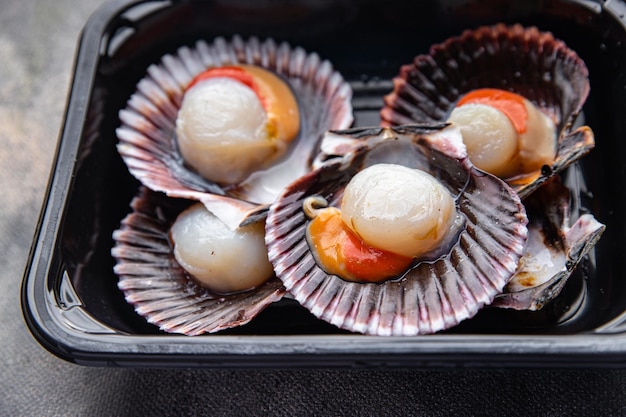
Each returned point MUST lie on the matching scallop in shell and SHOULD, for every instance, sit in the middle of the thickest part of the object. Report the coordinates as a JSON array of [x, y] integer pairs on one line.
[[516, 59], [432, 295], [554, 249], [158, 287], [147, 135]]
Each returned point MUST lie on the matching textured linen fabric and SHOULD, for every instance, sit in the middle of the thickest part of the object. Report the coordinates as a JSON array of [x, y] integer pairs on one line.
[[37, 45]]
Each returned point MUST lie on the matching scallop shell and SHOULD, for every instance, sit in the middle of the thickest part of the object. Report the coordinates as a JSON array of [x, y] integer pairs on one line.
[[432, 296], [157, 286], [523, 60], [147, 132], [554, 249]]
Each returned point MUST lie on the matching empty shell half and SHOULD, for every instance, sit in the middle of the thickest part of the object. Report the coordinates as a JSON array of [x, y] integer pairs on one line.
[[431, 294], [543, 71]]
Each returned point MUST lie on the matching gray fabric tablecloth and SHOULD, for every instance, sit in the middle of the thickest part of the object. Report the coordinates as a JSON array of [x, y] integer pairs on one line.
[[37, 45]]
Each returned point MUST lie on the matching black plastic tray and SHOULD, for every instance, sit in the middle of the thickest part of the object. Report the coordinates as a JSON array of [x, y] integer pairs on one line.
[[70, 299]]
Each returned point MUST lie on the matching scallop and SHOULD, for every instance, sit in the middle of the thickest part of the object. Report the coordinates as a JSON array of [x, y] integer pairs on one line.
[[431, 294], [398, 209], [555, 248], [166, 295], [211, 252], [234, 121], [514, 59], [505, 134], [389, 215], [149, 145]]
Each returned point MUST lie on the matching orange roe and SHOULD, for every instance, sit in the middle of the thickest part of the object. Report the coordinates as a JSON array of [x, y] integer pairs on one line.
[[234, 72], [343, 253], [511, 104]]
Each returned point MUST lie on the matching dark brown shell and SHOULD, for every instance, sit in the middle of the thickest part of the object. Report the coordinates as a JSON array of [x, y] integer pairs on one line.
[[523, 60], [554, 249], [431, 296], [157, 286]]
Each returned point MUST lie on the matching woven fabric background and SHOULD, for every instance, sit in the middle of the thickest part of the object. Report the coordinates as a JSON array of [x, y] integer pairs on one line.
[[37, 45]]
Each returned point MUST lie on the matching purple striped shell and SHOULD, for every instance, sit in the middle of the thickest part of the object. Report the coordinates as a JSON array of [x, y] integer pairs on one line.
[[147, 140], [160, 290], [431, 296]]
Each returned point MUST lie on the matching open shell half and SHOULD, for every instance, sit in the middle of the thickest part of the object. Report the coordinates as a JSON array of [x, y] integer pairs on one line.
[[158, 287], [147, 141], [430, 296], [522, 60]]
